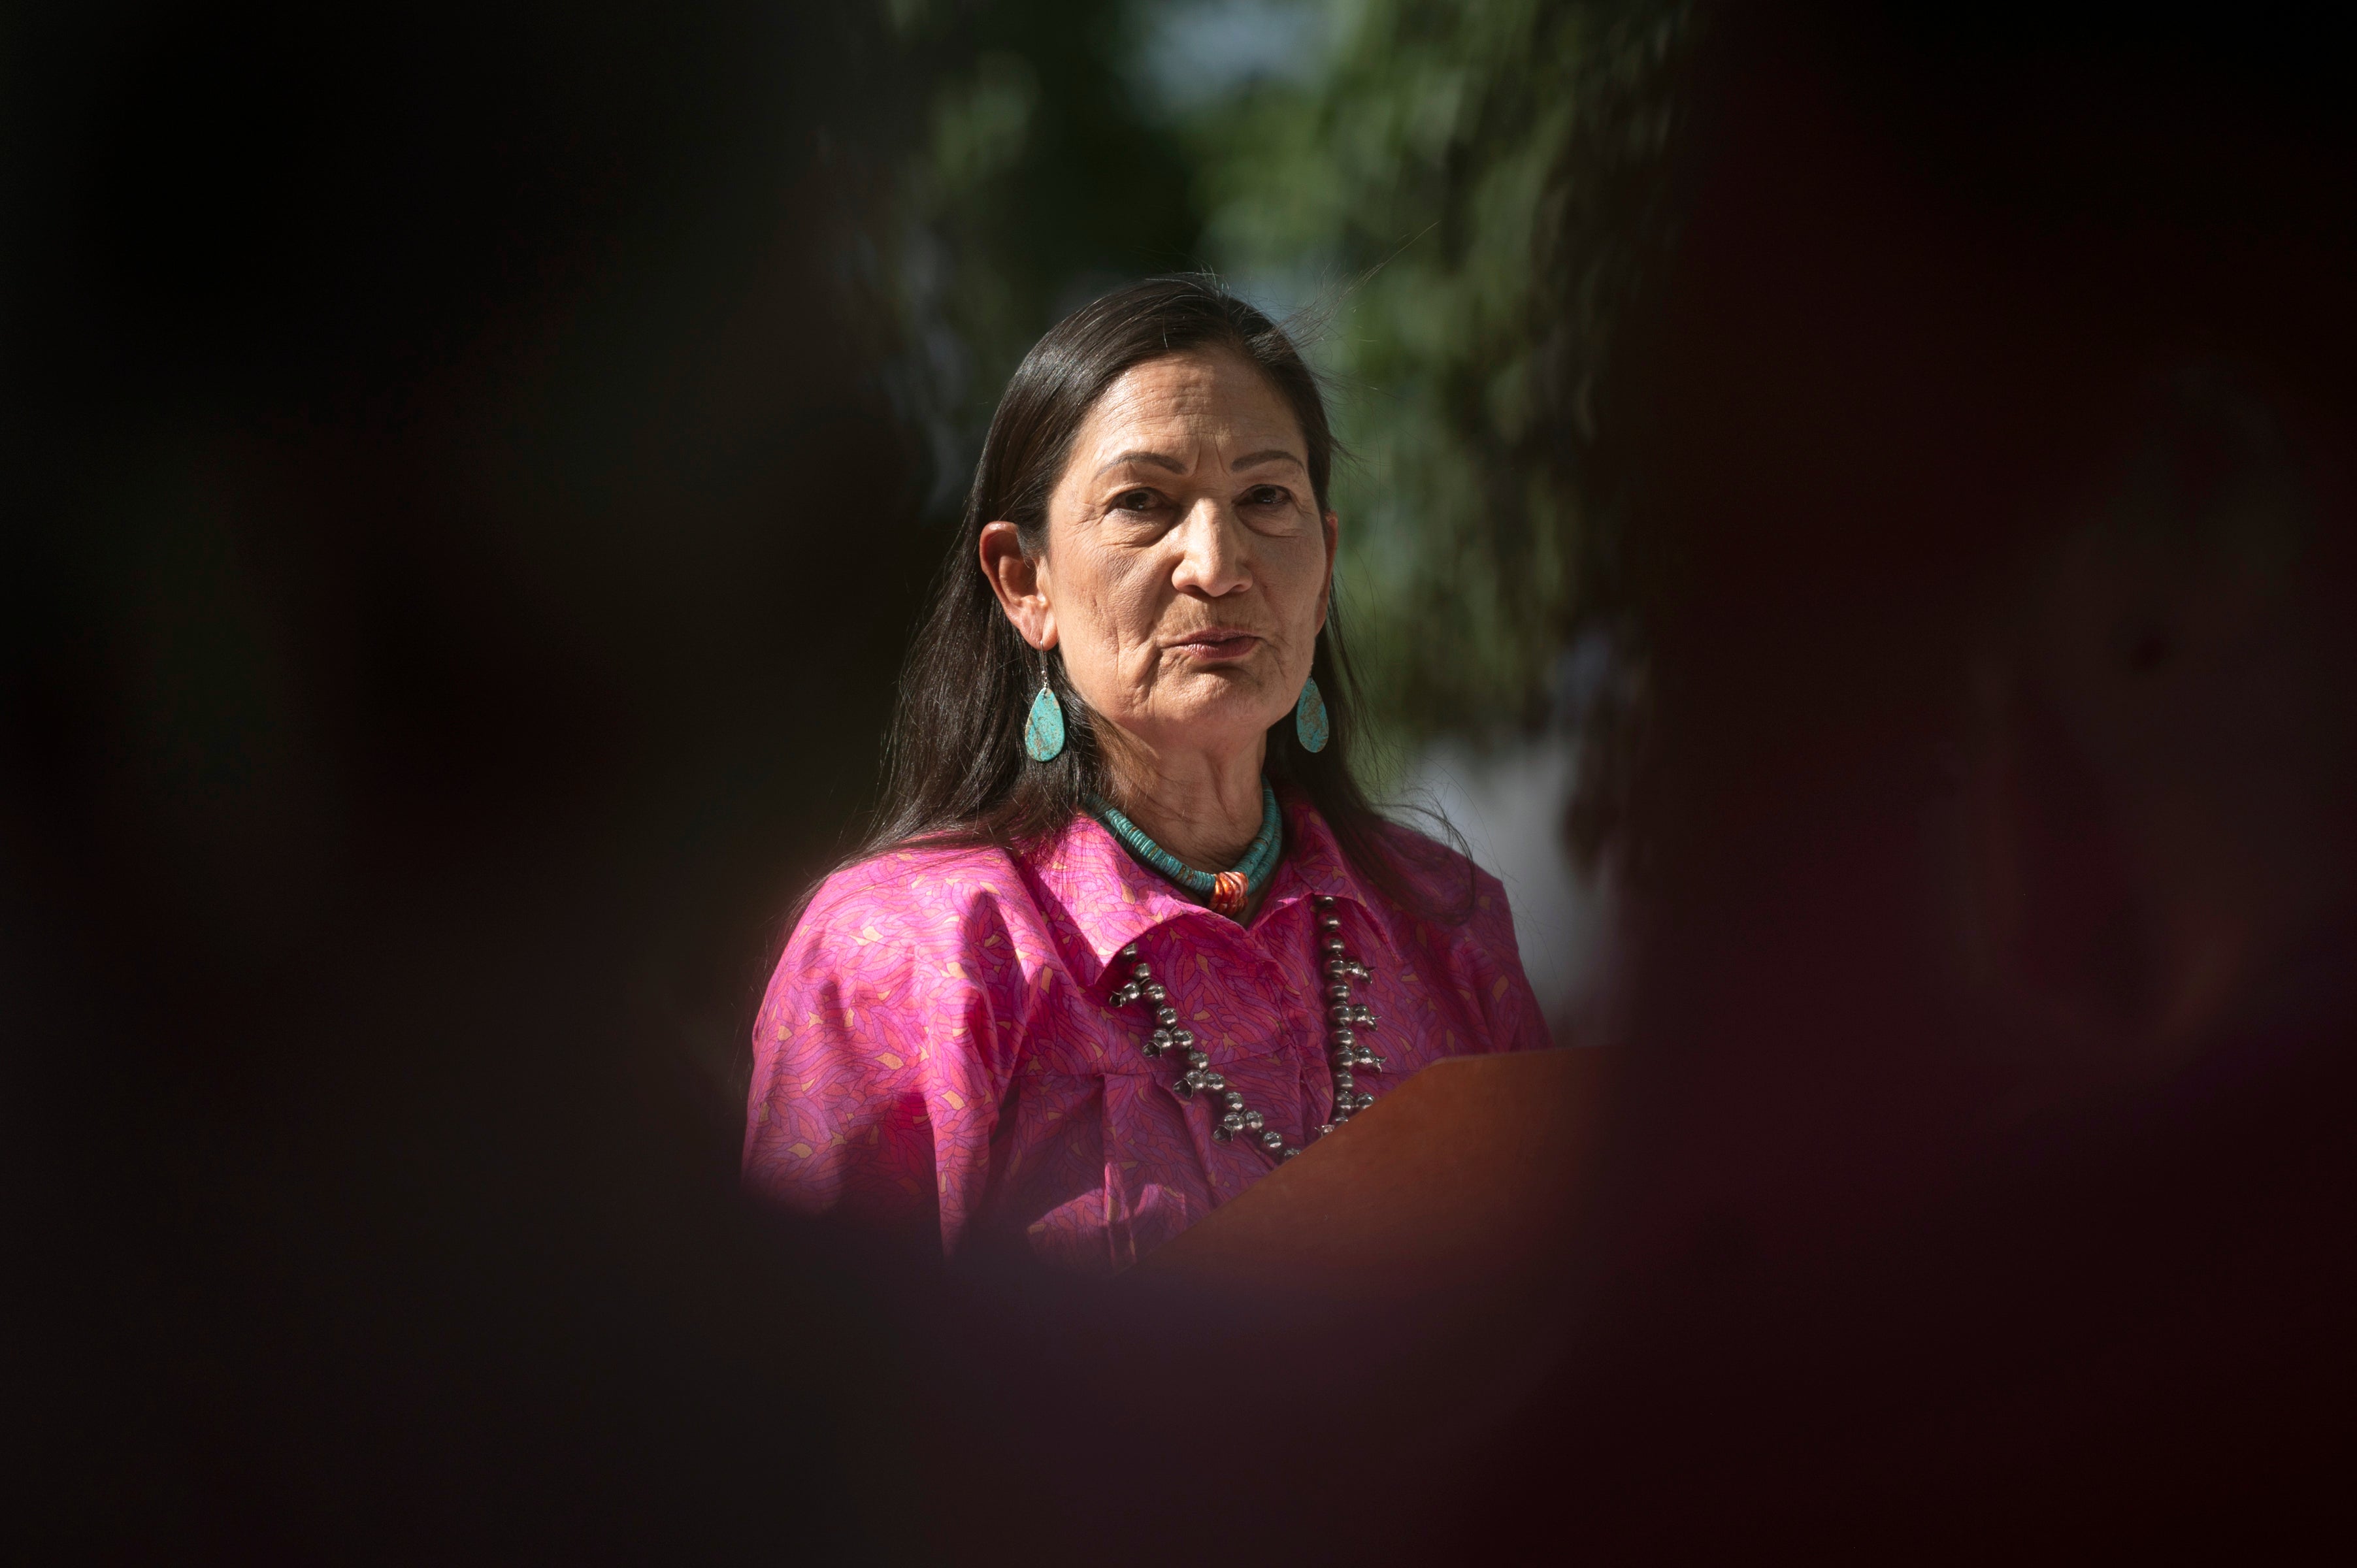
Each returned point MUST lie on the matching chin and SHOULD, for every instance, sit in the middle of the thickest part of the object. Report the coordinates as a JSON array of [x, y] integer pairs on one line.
[[1235, 716]]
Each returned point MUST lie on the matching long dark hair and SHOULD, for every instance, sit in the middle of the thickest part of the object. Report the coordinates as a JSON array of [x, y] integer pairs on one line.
[[955, 772]]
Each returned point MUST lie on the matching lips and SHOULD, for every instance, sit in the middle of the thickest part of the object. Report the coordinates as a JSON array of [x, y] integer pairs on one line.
[[1218, 643]]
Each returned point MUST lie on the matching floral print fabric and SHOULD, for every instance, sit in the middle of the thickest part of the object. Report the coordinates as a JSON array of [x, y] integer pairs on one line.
[[936, 1040]]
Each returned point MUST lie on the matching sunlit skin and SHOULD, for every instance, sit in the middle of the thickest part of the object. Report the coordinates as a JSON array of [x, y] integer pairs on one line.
[[1184, 576]]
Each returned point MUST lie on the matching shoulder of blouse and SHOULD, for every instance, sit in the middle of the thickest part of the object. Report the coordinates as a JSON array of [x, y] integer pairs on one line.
[[1467, 905], [915, 901], [1432, 866], [1472, 941]]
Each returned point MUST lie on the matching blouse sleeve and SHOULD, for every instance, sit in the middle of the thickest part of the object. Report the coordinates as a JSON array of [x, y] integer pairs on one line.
[[1500, 988], [873, 1090]]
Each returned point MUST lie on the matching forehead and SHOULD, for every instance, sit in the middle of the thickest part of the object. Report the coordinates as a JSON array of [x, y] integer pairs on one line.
[[1174, 402]]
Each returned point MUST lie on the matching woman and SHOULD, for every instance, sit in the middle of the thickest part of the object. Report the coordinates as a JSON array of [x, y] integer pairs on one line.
[[1128, 935]]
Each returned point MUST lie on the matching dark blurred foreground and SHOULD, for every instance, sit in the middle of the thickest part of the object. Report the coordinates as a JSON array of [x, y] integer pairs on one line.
[[459, 549]]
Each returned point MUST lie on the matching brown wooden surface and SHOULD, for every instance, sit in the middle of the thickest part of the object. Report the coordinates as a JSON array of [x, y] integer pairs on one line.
[[1462, 1174]]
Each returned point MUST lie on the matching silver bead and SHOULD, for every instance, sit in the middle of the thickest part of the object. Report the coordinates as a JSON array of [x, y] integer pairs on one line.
[[1288, 1153], [1197, 1059], [1323, 900], [1333, 945], [1329, 923], [1129, 951], [1213, 1080], [1235, 1101], [1222, 1133], [1166, 1016], [1343, 1113], [1156, 992], [1158, 1041], [1255, 1119], [1364, 1017], [1339, 992], [1328, 1129], [1272, 1140], [1340, 1015], [1368, 1061], [1338, 966], [1343, 1084], [1142, 969], [1362, 1100], [1183, 1037], [1345, 1041], [1234, 1122]]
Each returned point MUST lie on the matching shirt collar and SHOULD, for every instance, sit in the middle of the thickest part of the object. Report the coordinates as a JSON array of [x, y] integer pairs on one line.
[[1112, 900]]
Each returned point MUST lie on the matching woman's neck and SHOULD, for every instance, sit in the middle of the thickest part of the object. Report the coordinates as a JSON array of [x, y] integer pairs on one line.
[[1203, 810]]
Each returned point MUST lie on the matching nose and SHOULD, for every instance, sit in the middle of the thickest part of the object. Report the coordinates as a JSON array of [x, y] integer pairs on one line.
[[1214, 557]]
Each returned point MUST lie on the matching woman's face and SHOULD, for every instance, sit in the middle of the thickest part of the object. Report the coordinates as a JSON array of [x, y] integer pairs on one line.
[[1186, 565]]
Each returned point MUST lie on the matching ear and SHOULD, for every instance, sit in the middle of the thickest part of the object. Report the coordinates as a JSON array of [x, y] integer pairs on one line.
[[1020, 584]]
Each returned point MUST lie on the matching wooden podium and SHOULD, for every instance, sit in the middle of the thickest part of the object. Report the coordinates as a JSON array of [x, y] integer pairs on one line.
[[1457, 1185]]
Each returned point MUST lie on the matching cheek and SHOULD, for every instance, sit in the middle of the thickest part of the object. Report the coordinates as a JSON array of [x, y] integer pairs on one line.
[[1107, 603], [1125, 602], [1296, 581]]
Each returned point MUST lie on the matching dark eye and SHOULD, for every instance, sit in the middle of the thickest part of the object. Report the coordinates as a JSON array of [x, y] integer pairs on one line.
[[1268, 495], [1133, 500]]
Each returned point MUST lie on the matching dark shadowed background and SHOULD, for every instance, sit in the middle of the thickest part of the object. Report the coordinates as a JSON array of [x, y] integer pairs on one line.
[[1855, 513]]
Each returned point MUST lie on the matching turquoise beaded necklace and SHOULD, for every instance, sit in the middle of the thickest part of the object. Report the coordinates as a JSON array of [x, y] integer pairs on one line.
[[1228, 891]]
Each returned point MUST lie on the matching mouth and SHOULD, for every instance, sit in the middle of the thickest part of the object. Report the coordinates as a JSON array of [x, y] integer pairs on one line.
[[1215, 645]]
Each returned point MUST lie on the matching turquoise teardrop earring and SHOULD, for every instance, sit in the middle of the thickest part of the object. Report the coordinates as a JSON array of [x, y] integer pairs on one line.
[[1043, 732], [1309, 724]]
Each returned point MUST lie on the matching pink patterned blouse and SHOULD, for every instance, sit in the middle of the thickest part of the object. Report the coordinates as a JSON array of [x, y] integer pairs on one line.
[[937, 1041]]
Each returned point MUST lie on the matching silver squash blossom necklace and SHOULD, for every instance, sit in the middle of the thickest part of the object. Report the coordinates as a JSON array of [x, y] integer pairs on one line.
[[1346, 1019]]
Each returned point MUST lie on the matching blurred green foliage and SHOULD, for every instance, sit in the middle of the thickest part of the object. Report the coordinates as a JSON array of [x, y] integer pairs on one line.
[[1037, 178], [1459, 202]]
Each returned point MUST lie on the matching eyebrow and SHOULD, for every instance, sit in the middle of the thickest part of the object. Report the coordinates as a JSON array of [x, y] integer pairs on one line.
[[1172, 464], [1274, 455], [1158, 459]]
